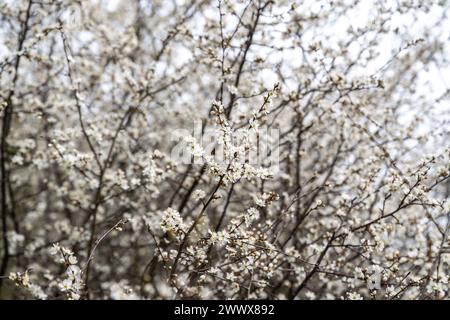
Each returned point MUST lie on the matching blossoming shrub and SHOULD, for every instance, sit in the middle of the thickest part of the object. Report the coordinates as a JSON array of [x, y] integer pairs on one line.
[[224, 149]]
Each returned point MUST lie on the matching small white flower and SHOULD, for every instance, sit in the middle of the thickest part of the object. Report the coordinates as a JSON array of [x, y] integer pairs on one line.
[[74, 296], [199, 194], [65, 285], [13, 276], [55, 249], [17, 159], [233, 90], [354, 296], [72, 259]]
